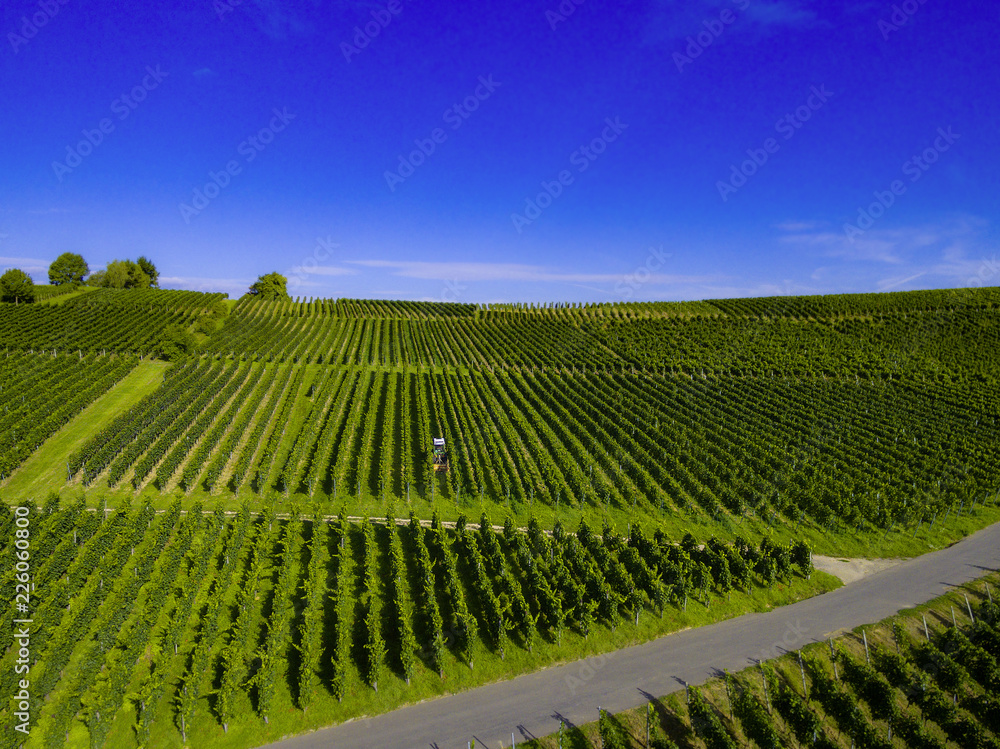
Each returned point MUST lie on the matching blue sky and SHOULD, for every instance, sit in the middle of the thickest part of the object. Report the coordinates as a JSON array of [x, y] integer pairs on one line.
[[539, 151]]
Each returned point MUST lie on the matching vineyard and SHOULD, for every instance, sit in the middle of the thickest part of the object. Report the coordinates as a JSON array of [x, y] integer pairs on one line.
[[829, 454], [102, 320], [928, 681], [41, 393], [149, 628], [881, 416], [655, 465]]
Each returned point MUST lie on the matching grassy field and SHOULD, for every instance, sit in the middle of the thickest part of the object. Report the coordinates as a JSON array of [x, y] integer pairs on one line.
[[45, 470]]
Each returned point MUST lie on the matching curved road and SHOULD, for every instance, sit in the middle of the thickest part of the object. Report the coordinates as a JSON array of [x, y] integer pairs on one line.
[[531, 705]]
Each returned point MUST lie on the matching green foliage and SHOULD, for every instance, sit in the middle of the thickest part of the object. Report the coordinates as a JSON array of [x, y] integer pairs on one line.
[[68, 269], [175, 342], [270, 286], [707, 725], [613, 736], [17, 287], [311, 628], [754, 719], [147, 267], [123, 274]]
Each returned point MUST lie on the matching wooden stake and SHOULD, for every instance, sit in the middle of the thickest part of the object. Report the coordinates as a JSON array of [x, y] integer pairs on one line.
[[649, 709], [926, 633], [969, 607], [729, 697], [767, 697], [868, 658]]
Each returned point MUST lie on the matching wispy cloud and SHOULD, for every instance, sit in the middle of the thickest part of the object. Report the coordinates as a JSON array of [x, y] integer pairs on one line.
[[30, 265], [322, 270], [233, 286], [280, 19], [951, 252], [671, 20], [781, 13], [880, 247], [467, 271], [799, 226]]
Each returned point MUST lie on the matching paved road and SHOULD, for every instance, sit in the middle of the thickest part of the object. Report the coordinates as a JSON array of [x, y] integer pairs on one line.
[[531, 705]]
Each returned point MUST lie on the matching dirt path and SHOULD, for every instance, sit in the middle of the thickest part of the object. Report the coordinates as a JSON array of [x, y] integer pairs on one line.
[[852, 570]]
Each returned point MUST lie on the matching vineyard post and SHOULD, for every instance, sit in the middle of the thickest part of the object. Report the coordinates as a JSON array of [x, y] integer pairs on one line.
[[868, 658], [989, 593], [649, 709], [803, 672], [954, 622], [969, 607], [729, 698], [560, 734], [833, 659], [927, 634], [763, 678]]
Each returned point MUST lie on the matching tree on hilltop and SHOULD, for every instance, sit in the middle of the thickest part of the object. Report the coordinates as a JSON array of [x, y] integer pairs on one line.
[[125, 274], [270, 286], [16, 286], [150, 270], [68, 269]]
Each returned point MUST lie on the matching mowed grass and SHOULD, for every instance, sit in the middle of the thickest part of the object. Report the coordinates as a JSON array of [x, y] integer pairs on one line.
[[45, 470]]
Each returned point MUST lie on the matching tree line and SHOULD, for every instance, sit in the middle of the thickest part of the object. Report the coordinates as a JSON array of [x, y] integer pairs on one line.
[[71, 270]]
